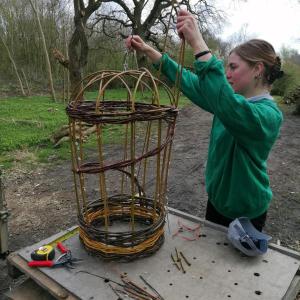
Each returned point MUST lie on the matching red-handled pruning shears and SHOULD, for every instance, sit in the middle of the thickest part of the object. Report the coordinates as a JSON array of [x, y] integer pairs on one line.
[[65, 259]]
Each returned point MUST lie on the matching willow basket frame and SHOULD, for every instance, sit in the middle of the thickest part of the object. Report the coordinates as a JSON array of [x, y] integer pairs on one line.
[[96, 217]]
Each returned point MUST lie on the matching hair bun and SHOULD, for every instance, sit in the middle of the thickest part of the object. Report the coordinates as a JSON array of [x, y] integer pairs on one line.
[[280, 74], [275, 72], [278, 61]]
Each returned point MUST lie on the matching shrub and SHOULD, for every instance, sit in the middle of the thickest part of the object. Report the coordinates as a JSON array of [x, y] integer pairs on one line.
[[289, 81]]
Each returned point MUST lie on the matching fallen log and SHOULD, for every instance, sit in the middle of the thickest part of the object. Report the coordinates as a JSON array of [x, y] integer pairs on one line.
[[62, 134]]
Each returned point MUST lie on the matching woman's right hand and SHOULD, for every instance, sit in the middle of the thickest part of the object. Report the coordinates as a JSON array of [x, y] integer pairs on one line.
[[135, 42]]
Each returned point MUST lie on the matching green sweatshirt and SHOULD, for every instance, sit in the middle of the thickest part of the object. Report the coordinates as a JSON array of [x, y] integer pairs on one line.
[[242, 135]]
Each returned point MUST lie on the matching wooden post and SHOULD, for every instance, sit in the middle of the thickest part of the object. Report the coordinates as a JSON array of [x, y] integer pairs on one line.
[[3, 220]]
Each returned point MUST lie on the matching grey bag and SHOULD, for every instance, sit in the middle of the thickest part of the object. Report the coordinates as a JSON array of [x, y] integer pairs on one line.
[[245, 237]]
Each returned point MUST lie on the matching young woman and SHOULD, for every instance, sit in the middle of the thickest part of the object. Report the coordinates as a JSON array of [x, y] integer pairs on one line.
[[246, 119]]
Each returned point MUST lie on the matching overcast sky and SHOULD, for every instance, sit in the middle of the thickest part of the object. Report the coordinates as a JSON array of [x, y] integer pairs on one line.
[[277, 21]]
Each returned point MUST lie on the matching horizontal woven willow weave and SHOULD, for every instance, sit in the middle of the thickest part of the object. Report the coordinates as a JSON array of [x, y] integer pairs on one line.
[[121, 166]]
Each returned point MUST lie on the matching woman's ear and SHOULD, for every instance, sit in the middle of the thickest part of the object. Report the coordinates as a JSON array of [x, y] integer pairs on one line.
[[259, 69]]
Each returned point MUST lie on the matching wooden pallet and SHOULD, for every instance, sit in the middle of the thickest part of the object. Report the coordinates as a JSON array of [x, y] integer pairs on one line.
[[39, 285]]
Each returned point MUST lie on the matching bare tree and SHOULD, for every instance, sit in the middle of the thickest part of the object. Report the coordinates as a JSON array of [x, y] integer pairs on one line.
[[97, 25], [240, 36], [14, 65], [78, 45], [45, 51], [19, 27], [150, 19], [118, 18]]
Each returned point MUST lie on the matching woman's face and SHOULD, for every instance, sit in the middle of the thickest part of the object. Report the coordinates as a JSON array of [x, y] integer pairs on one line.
[[240, 75]]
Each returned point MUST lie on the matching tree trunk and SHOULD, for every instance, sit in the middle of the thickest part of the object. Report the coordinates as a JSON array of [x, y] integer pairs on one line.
[[48, 65], [14, 66], [78, 52], [141, 61], [141, 58], [67, 73], [75, 63], [78, 45], [26, 82]]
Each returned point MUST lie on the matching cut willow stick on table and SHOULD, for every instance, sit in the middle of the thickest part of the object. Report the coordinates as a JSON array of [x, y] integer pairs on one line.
[[184, 258], [151, 287]]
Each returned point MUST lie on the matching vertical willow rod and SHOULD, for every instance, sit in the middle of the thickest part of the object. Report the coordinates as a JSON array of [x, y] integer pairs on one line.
[[179, 72], [157, 187], [132, 145], [148, 136], [81, 180], [102, 176], [73, 165], [124, 158]]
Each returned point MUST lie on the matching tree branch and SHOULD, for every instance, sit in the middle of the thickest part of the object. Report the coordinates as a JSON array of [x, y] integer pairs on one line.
[[93, 5], [105, 18], [155, 13], [125, 7], [60, 57]]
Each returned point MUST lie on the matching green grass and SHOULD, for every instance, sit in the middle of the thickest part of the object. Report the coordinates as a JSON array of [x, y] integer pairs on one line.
[[26, 122], [26, 125], [146, 96]]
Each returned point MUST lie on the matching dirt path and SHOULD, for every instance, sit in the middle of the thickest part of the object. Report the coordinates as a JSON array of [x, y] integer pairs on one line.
[[42, 201]]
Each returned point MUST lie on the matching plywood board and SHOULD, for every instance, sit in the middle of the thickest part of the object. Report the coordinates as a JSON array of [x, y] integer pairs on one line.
[[217, 270]]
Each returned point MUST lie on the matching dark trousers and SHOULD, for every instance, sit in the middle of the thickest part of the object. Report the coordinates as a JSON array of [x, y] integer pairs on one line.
[[213, 216]]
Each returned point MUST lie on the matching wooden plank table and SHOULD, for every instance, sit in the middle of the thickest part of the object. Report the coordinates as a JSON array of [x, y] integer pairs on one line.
[[217, 271]]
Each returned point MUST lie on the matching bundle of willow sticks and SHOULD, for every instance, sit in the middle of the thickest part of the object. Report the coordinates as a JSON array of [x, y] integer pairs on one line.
[[134, 291]]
